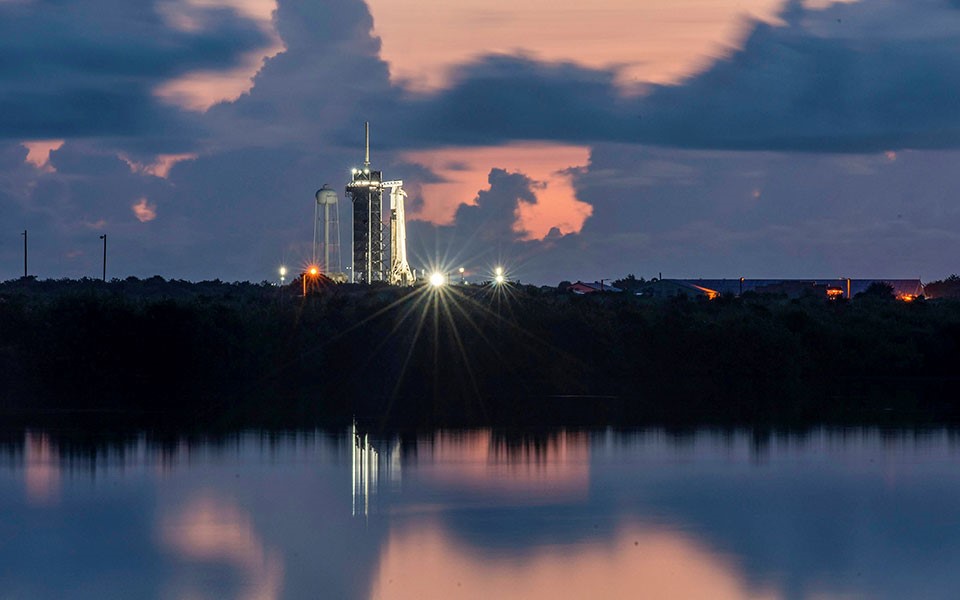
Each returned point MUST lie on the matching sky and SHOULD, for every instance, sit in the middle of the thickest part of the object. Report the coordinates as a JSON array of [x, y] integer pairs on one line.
[[688, 138]]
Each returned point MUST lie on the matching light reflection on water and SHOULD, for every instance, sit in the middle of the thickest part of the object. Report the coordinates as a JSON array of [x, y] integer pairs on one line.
[[481, 514]]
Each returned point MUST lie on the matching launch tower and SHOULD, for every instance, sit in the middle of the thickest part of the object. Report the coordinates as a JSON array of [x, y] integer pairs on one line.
[[366, 193]]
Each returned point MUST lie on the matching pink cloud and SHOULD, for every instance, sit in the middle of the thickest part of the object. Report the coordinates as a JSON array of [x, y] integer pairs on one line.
[[199, 90], [159, 167], [98, 224], [425, 562], [655, 41], [144, 210], [209, 529], [38, 153]]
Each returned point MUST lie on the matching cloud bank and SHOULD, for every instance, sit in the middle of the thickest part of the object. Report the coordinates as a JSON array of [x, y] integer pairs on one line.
[[859, 77], [770, 161]]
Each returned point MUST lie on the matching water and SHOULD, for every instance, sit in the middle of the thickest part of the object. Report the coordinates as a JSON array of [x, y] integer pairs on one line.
[[474, 514]]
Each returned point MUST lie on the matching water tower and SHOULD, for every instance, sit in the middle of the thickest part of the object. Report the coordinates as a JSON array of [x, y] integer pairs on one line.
[[327, 210]]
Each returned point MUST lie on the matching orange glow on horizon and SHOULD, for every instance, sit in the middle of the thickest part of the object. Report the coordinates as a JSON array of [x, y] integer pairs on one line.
[[465, 172], [711, 294], [424, 562]]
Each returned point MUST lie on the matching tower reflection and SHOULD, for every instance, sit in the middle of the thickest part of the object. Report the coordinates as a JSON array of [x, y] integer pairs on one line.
[[365, 461]]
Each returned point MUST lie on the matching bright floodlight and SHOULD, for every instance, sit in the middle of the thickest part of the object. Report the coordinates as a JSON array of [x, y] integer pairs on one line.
[[314, 270], [500, 278], [283, 271], [498, 271], [437, 279]]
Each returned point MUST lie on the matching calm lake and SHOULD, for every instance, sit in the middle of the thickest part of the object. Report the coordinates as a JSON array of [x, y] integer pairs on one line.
[[479, 514]]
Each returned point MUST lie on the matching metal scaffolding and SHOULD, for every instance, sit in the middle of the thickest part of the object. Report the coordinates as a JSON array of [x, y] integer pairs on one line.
[[366, 193]]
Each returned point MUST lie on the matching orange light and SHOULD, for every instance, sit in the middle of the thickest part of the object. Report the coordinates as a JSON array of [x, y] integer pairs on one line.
[[906, 297], [834, 293], [711, 294], [314, 271]]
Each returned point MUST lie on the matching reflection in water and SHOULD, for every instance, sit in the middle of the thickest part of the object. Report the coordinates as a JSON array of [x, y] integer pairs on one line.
[[365, 470], [41, 469], [706, 514], [552, 468], [214, 530], [423, 562]]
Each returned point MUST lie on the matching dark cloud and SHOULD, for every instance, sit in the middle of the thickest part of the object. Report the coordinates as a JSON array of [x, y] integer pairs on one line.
[[692, 213], [494, 214], [321, 89], [12, 157], [482, 233], [822, 82], [502, 98], [850, 78], [89, 69]]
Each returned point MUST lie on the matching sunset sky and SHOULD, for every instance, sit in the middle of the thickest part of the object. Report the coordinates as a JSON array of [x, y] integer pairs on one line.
[[697, 138]]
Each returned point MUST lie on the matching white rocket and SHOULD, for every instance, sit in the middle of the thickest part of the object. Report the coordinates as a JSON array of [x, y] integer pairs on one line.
[[400, 272]]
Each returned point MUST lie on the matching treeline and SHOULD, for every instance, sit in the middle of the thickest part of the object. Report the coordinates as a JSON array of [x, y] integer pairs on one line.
[[213, 351], [945, 288]]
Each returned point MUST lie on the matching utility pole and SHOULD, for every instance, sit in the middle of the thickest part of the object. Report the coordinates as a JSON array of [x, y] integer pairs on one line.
[[24, 253], [104, 238]]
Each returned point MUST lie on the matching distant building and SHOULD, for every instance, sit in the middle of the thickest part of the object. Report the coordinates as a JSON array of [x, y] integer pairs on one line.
[[903, 289], [668, 288], [588, 288]]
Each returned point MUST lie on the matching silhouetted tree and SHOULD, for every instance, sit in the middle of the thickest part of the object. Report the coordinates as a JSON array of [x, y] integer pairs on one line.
[[946, 288], [878, 290]]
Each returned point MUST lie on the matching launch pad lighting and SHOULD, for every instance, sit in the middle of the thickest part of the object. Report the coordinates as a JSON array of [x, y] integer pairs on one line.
[[313, 270], [283, 271], [437, 279], [499, 278]]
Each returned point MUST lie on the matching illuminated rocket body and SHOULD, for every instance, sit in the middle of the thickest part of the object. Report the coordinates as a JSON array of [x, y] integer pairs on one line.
[[400, 273]]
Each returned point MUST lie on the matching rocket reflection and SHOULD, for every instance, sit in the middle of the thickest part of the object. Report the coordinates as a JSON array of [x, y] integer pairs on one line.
[[365, 464], [553, 469]]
